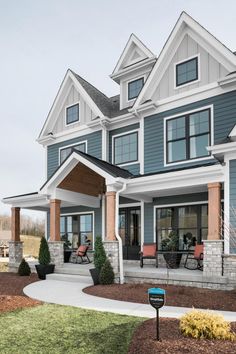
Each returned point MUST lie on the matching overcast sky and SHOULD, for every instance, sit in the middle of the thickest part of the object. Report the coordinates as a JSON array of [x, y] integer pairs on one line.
[[40, 39]]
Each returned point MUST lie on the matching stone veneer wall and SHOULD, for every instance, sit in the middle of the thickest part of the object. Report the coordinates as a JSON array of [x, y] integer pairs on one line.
[[112, 252], [56, 249], [15, 252], [229, 265], [213, 262]]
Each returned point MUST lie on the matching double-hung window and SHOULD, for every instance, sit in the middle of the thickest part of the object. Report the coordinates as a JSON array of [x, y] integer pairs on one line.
[[65, 152], [187, 71], [188, 136], [134, 87], [72, 114], [125, 148]]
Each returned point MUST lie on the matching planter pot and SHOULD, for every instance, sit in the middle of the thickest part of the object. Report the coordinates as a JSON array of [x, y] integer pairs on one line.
[[172, 259], [43, 270], [95, 275], [67, 254]]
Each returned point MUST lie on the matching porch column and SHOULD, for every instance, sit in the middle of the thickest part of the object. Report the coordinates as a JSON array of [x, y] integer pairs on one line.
[[213, 246], [15, 245], [214, 211], [55, 244], [111, 245], [110, 215], [55, 205]]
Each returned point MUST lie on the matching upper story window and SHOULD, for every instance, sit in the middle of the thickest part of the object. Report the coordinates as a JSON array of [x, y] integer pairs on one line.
[[72, 114], [187, 71], [125, 148], [188, 136], [65, 152], [134, 87]]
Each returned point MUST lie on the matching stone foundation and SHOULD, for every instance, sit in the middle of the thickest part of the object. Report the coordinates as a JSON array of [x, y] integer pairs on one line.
[[112, 252], [15, 252], [229, 265], [56, 249], [213, 263]]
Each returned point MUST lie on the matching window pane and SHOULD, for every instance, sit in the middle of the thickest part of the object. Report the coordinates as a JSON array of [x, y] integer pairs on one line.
[[198, 146], [72, 114], [66, 152], [86, 229], [177, 151], [187, 238], [164, 218], [176, 128], [204, 216], [134, 87], [186, 72], [187, 217], [126, 148], [199, 123], [80, 147]]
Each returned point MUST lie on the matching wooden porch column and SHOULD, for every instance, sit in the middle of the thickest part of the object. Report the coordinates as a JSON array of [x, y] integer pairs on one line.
[[55, 220], [15, 224], [110, 215], [214, 211]]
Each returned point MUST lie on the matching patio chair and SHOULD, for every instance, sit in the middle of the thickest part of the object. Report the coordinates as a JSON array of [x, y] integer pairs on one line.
[[197, 257], [82, 253], [149, 252]]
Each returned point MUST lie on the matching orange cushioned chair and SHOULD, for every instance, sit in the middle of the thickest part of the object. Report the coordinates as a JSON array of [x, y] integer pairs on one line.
[[149, 252], [197, 257], [82, 253]]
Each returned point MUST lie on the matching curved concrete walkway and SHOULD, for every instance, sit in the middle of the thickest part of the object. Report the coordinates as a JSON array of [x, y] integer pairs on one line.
[[71, 294]]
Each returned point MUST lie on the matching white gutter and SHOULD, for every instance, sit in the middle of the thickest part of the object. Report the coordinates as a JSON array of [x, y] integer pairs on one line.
[[117, 233]]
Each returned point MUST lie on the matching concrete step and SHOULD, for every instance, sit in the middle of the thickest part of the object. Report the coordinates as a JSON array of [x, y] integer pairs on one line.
[[71, 278], [75, 269]]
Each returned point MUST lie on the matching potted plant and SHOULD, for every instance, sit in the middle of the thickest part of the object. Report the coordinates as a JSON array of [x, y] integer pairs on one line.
[[170, 244], [44, 267], [99, 260]]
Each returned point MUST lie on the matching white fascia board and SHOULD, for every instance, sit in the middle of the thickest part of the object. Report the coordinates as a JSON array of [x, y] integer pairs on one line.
[[176, 179], [76, 198], [232, 134], [27, 201], [130, 69], [227, 80], [180, 27], [67, 167], [222, 149], [132, 39]]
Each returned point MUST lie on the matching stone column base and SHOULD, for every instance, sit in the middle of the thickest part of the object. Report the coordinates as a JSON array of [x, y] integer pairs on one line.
[[229, 265], [112, 252], [56, 249], [15, 252], [212, 261]]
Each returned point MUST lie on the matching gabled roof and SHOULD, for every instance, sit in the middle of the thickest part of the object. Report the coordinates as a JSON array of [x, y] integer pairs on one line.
[[135, 51], [215, 47]]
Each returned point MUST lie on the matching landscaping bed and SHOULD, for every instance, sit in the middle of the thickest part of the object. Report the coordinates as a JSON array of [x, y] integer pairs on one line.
[[175, 295], [11, 291], [173, 342]]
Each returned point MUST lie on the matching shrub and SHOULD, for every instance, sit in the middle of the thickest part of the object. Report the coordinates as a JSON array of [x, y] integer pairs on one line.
[[24, 268], [44, 253], [99, 253], [205, 325], [106, 275]]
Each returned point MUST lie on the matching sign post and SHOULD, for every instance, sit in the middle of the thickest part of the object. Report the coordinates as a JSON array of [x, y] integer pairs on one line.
[[157, 299]]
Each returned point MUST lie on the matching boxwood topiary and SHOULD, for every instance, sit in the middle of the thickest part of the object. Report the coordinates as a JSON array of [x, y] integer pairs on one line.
[[107, 274], [99, 253], [24, 268], [44, 253]]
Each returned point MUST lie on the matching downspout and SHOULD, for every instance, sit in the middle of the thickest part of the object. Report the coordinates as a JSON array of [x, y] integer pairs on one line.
[[117, 233]]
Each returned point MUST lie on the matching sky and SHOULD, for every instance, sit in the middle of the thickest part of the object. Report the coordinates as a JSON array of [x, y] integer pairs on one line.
[[40, 40]]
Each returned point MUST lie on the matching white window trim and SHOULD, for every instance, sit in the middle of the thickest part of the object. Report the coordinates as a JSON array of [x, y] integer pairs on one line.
[[155, 207], [112, 147], [71, 145], [68, 106], [127, 85], [198, 69], [211, 136], [83, 213]]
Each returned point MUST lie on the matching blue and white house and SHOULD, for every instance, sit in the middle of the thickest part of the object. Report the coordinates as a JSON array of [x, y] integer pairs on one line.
[[157, 157]]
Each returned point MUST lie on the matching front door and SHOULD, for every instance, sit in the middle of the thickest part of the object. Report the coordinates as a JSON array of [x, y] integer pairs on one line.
[[130, 231]]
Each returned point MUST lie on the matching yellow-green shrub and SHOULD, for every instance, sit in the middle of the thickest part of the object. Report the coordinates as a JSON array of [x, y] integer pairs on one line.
[[205, 325]]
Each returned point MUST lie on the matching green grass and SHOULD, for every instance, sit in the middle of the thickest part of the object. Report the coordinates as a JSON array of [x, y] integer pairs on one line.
[[54, 329]]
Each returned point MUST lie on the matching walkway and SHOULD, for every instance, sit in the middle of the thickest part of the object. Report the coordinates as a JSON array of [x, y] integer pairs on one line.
[[71, 294]]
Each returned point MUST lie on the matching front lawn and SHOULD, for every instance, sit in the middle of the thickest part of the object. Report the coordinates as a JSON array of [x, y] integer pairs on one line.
[[50, 329]]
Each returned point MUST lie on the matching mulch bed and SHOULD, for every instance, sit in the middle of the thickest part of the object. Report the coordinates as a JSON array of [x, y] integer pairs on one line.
[[175, 295], [11, 291], [172, 342]]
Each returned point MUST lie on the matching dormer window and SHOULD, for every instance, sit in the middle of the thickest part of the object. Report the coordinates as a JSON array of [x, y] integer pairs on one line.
[[72, 114], [134, 87], [186, 72]]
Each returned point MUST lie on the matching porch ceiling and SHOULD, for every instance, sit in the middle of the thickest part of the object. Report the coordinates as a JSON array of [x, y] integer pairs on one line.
[[83, 180]]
